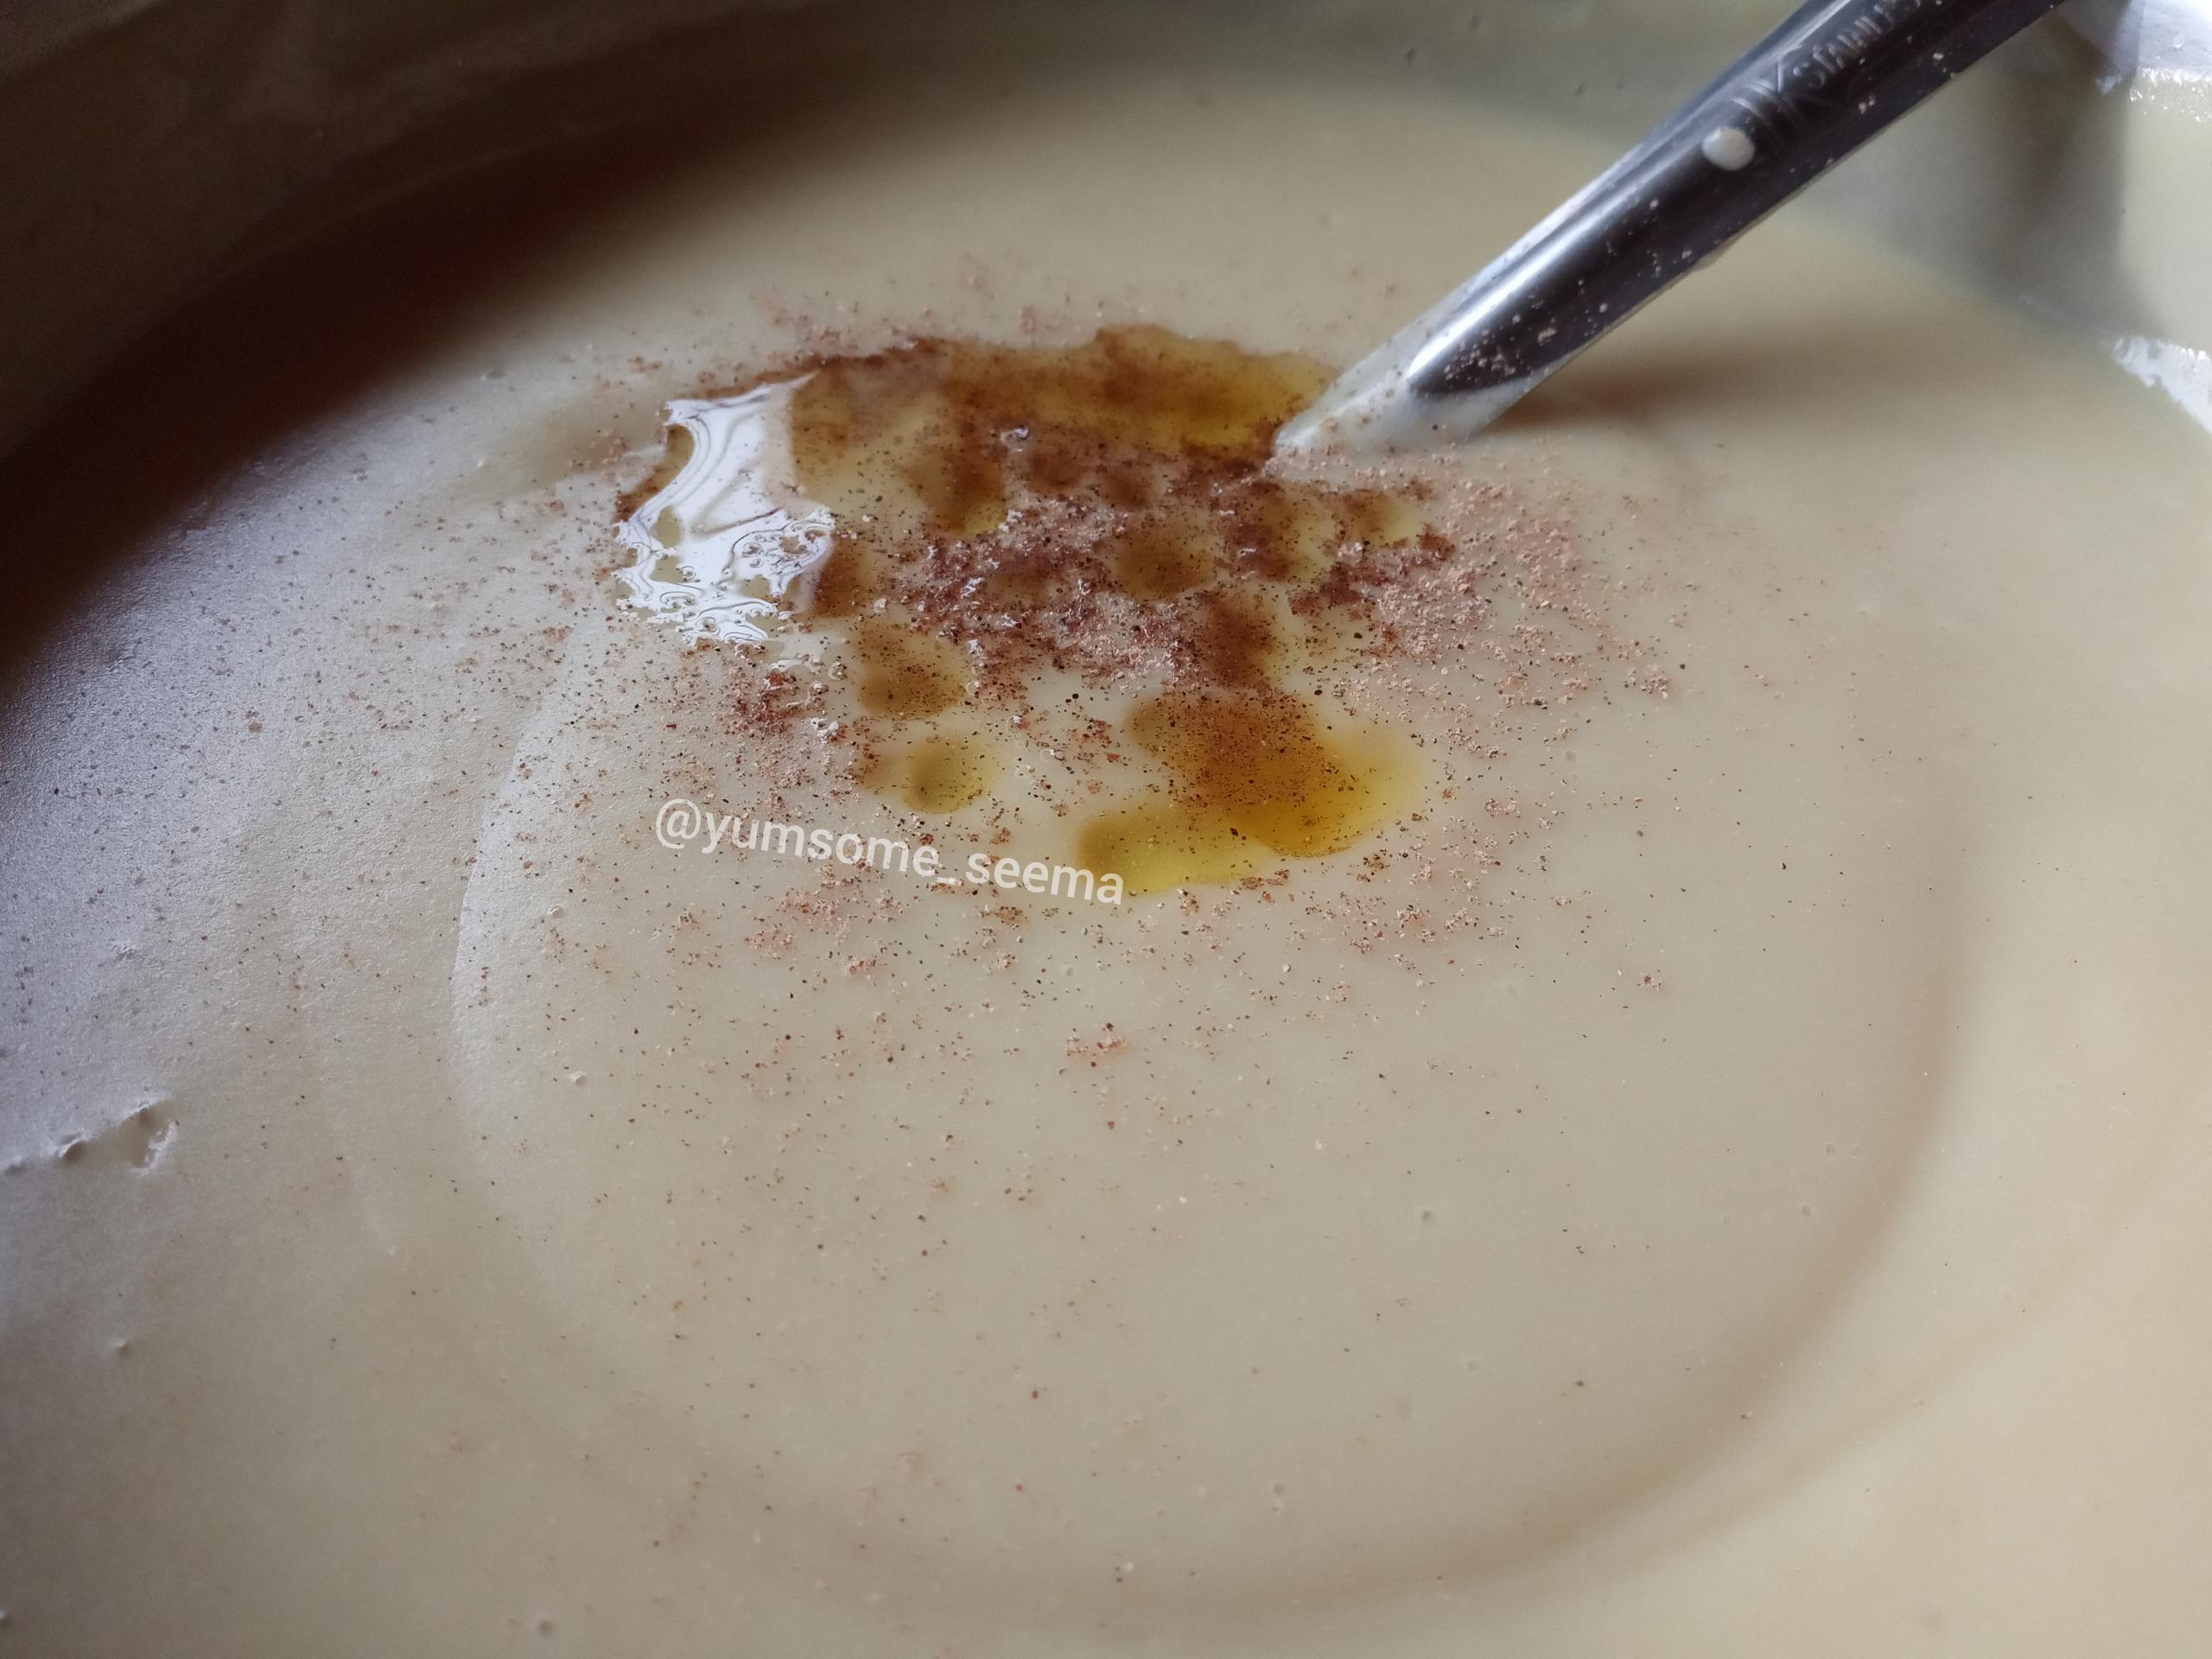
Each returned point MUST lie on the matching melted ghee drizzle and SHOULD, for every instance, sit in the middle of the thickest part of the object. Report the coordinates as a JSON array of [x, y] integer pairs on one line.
[[987, 502]]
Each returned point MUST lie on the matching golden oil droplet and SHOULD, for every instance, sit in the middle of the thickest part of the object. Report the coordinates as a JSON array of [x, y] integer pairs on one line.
[[1231, 636], [905, 674], [852, 577], [1167, 551], [938, 774], [1257, 776], [1281, 532]]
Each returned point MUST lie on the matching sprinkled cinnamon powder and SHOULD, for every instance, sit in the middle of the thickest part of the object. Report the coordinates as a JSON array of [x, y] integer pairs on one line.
[[1076, 572]]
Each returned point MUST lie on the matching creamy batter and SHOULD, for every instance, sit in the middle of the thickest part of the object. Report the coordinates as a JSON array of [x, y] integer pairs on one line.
[[1716, 1167]]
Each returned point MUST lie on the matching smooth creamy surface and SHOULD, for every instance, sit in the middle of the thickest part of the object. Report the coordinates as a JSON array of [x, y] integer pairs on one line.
[[1723, 1171]]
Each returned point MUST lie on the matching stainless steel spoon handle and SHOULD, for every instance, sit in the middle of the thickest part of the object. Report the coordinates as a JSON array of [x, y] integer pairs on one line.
[[1830, 77]]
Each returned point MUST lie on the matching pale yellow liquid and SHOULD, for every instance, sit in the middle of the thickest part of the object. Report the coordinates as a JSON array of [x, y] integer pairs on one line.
[[1727, 1178]]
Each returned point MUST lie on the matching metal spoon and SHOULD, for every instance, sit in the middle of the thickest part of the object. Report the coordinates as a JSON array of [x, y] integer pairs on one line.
[[1830, 77]]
